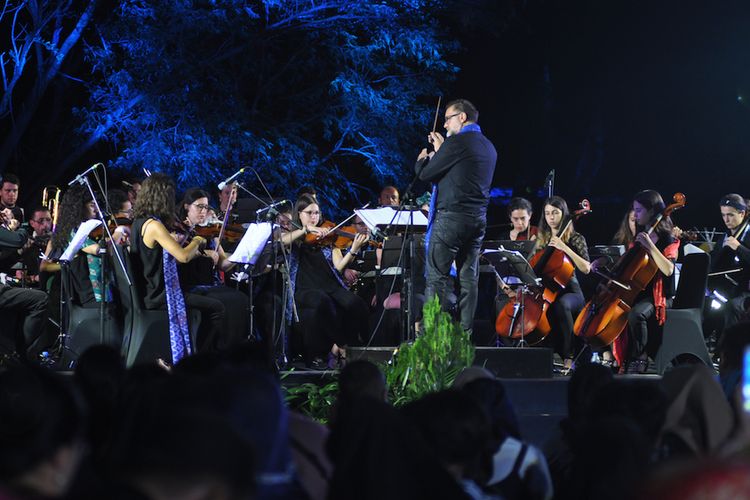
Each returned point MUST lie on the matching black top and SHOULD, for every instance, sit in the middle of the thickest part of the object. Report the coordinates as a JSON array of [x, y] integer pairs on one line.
[[314, 271], [463, 169], [148, 268], [577, 243], [724, 258], [199, 271]]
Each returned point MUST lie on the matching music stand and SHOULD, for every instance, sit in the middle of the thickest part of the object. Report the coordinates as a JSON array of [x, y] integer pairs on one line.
[[409, 221], [247, 254], [522, 270]]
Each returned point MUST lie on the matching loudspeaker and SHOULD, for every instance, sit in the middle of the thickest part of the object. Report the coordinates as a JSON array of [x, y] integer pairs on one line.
[[515, 362], [377, 355]]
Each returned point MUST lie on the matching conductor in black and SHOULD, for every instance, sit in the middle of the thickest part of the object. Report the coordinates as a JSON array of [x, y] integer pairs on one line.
[[461, 169]]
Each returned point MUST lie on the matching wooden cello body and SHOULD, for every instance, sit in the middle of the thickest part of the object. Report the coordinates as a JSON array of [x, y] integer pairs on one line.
[[605, 316], [525, 316]]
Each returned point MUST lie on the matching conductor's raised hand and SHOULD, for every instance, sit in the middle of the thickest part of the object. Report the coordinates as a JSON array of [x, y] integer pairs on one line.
[[436, 140]]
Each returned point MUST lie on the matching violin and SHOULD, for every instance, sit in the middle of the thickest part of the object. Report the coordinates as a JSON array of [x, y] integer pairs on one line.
[[232, 233], [605, 316], [339, 237], [113, 223], [556, 270]]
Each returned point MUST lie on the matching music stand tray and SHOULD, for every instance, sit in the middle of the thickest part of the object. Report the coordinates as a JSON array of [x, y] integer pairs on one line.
[[515, 263]]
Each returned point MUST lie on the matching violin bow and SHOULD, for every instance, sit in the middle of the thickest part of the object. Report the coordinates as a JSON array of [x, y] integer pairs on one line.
[[437, 113]]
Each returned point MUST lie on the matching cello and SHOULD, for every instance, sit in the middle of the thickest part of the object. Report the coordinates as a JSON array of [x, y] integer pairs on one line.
[[605, 316], [556, 271]]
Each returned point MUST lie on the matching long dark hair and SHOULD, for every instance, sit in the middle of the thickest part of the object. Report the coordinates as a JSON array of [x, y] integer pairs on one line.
[[654, 204], [189, 198], [72, 212], [545, 232], [156, 199], [624, 236]]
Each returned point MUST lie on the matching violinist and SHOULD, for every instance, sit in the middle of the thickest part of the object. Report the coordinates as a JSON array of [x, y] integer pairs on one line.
[[734, 253], [570, 301], [331, 315], [86, 269], [519, 213], [154, 252], [649, 308], [227, 197], [122, 214], [200, 276]]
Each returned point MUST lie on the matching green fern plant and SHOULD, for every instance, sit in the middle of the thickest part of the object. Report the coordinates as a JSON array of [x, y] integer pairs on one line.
[[312, 400], [433, 360], [429, 364]]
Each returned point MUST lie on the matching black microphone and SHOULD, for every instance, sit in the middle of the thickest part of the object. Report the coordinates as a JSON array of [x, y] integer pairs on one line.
[[229, 179], [79, 177]]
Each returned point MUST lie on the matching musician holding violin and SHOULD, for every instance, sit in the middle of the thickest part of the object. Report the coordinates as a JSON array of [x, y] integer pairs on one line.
[[733, 253], [331, 316], [155, 251], [556, 231], [200, 276], [86, 271]]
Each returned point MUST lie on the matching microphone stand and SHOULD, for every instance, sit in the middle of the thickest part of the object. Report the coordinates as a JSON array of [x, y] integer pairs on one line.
[[282, 337], [102, 251]]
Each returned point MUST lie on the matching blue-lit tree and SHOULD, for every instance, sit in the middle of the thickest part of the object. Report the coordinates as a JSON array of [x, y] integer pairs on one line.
[[36, 38], [316, 92]]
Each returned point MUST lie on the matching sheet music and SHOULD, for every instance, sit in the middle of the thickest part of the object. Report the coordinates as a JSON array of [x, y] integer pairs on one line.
[[383, 216], [77, 242], [252, 243]]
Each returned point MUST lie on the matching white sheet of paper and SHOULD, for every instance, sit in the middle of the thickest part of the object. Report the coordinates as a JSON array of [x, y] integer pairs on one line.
[[252, 243], [77, 242], [383, 216]]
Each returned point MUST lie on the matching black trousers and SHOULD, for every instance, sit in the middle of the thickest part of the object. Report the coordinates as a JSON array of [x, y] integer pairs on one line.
[[212, 318], [228, 318], [30, 308], [561, 315], [455, 237], [644, 332], [326, 318]]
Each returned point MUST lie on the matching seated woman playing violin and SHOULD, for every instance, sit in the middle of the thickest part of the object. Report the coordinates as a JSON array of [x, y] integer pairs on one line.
[[154, 251], [200, 276], [88, 280], [649, 308], [331, 315]]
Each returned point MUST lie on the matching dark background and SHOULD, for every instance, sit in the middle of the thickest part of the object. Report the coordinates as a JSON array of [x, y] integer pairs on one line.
[[616, 96]]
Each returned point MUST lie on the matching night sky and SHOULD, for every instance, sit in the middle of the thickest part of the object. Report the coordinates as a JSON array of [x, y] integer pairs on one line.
[[615, 95], [618, 96]]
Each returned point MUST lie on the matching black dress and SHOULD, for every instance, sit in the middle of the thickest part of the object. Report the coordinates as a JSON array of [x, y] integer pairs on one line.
[[149, 275], [329, 313]]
